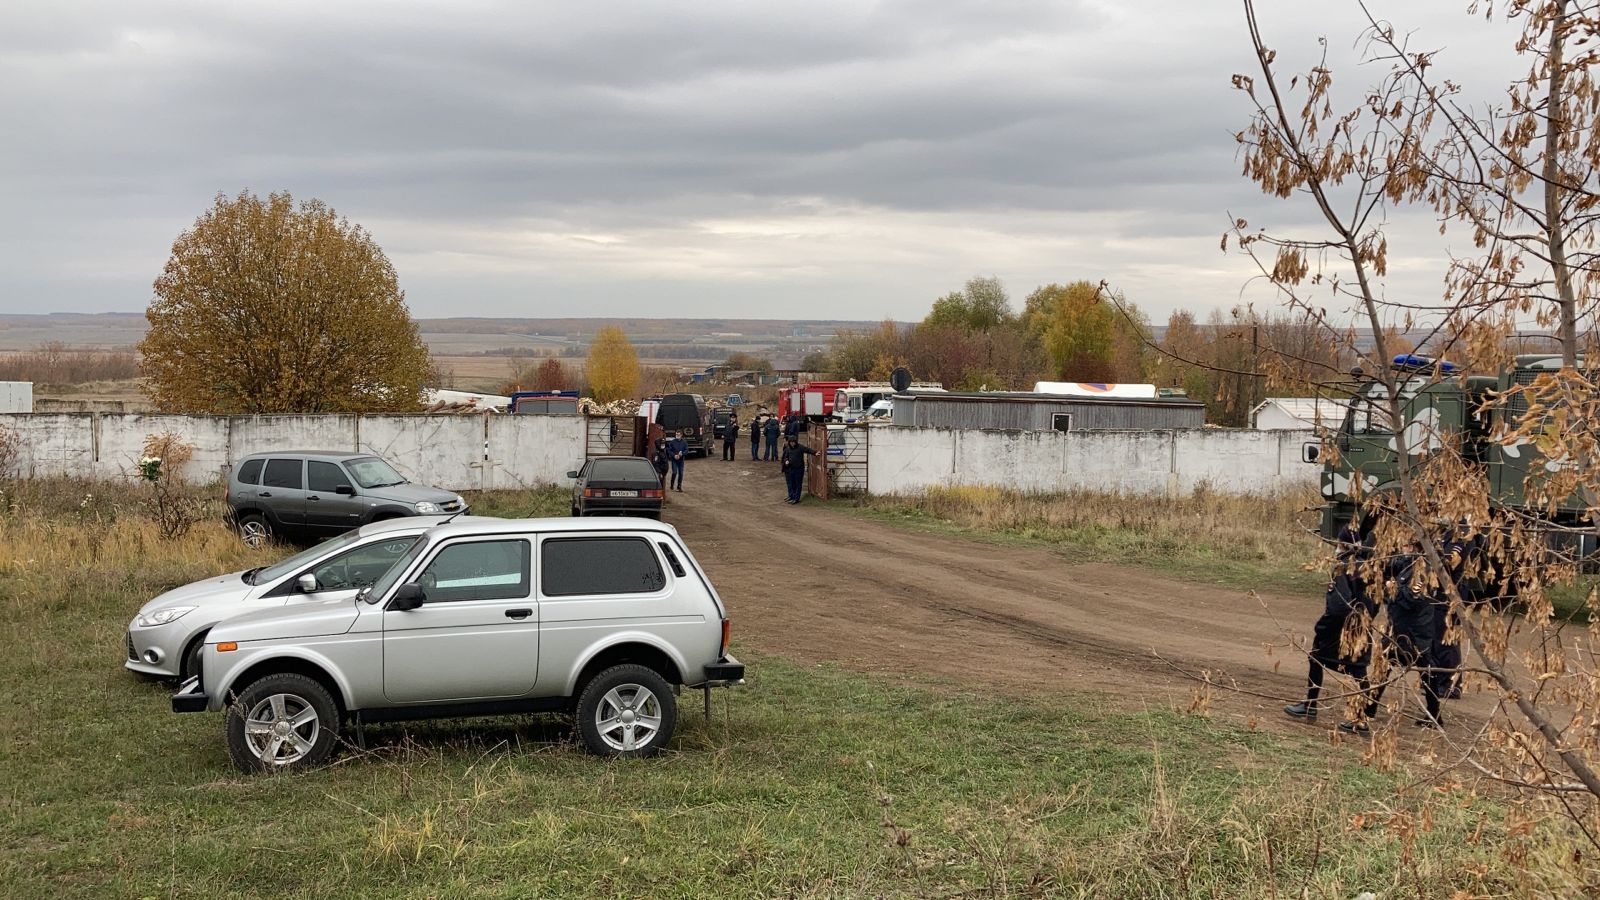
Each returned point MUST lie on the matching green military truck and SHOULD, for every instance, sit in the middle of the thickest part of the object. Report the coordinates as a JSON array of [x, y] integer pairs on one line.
[[1441, 410]]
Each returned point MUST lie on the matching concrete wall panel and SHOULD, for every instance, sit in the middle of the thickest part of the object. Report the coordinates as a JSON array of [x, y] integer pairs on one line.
[[122, 439], [442, 451], [264, 434], [529, 451]]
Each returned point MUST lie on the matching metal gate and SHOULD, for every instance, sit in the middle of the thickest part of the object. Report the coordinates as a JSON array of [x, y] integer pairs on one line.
[[615, 436], [840, 464]]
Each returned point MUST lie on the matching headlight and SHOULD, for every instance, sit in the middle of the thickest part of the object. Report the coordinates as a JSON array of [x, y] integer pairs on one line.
[[162, 616], [427, 508]]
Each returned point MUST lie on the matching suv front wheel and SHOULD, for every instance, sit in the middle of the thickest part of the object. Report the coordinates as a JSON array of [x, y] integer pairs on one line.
[[282, 722], [627, 710]]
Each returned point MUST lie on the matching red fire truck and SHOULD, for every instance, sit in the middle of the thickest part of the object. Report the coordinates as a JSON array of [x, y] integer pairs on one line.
[[814, 400]]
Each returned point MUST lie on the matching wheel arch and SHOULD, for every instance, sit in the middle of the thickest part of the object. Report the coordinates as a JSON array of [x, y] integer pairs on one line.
[[639, 649], [316, 669]]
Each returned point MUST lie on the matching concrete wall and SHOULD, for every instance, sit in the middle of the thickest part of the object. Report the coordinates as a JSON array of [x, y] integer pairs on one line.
[[910, 460], [453, 452]]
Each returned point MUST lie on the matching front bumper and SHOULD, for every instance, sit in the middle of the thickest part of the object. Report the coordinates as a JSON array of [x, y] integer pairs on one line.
[[143, 642], [191, 697]]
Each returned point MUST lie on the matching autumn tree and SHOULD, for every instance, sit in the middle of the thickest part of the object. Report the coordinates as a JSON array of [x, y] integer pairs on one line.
[[1517, 176], [266, 306], [613, 366], [549, 375], [982, 304], [1090, 337]]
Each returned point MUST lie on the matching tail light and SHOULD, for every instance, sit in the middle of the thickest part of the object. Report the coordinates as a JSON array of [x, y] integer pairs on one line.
[[595, 492], [652, 494], [727, 625]]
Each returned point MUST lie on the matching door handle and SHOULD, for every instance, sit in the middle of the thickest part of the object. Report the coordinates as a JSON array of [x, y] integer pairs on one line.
[[518, 613], [313, 497], [264, 494]]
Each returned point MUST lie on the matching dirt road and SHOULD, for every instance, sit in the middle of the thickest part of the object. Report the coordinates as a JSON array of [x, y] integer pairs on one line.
[[819, 585]]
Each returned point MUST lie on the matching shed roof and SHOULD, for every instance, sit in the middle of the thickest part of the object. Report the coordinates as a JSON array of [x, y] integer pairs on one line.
[[1310, 410]]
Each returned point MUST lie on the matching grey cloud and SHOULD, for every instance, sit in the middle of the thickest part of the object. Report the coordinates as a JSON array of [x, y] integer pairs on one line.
[[621, 155]]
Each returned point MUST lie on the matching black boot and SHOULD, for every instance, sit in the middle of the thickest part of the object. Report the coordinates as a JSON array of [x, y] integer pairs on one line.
[[1302, 710]]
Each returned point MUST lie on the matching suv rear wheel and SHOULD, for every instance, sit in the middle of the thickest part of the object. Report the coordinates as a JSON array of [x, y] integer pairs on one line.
[[254, 530], [281, 723], [627, 711]]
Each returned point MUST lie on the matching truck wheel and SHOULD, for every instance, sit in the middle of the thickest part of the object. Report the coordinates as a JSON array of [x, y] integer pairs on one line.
[[627, 711], [282, 723], [254, 530]]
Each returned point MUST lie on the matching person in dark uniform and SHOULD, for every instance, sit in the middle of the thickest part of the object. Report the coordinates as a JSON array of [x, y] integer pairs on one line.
[[755, 438], [658, 458], [1463, 557], [1347, 605], [794, 426], [770, 432], [730, 435], [794, 467], [1409, 644], [677, 450]]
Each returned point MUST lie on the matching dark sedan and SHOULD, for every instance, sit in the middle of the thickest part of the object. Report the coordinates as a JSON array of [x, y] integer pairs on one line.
[[616, 486]]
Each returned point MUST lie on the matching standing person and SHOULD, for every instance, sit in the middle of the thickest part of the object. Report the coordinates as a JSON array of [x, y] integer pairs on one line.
[[1346, 599], [794, 467], [1462, 558], [677, 450], [770, 431], [730, 435], [794, 426], [755, 438], [1409, 644], [658, 458]]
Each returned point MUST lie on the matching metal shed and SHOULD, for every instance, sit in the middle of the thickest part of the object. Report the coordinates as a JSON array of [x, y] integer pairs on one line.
[[1044, 412]]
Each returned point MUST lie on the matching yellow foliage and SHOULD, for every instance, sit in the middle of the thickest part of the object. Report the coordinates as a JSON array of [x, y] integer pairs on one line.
[[613, 366]]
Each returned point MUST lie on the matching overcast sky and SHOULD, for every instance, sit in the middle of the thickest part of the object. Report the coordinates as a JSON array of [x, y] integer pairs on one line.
[[759, 159]]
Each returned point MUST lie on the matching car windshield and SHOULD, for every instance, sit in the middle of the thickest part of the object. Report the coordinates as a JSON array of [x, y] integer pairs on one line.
[[303, 558], [382, 585], [372, 472]]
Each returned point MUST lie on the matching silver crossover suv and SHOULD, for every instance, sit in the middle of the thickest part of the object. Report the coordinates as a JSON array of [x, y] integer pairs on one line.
[[165, 638], [606, 619]]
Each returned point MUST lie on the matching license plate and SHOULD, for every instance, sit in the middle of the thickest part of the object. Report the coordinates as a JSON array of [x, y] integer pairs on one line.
[[624, 493]]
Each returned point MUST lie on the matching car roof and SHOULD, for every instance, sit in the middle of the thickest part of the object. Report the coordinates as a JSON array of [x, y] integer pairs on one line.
[[470, 526], [313, 454]]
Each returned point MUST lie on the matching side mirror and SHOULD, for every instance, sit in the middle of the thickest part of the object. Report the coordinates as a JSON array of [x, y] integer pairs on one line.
[[572, 474], [1311, 452], [345, 490], [407, 596], [307, 583]]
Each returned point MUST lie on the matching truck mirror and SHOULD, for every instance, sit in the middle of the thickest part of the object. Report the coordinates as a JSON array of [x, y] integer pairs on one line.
[[1311, 451]]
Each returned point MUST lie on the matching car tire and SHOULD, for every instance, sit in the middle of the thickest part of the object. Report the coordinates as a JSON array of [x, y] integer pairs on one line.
[[254, 530], [256, 744], [620, 703], [189, 666], [655, 514]]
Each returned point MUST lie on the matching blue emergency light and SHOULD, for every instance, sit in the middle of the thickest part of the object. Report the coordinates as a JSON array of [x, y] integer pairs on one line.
[[1411, 362]]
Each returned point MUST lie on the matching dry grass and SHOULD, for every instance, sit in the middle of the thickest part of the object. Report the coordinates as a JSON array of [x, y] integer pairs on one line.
[[1205, 534]]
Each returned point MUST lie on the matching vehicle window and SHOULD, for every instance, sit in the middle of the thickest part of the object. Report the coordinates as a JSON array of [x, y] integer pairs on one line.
[[362, 566], [306, 557], [390, 578], [480, 570], [599, 565], [325, 477], [672, 558], [623, 470], [372, 472], [250, 471], [284, 473]]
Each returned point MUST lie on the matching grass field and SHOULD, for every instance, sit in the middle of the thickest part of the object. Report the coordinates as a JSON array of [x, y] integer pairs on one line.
[[809, 781]]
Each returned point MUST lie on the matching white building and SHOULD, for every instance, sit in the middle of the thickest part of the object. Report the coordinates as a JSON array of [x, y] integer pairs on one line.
[[1297, 413]]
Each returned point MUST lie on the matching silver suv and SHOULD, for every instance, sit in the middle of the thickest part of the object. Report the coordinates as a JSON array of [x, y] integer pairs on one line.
[[607, 620], [316, 494]]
